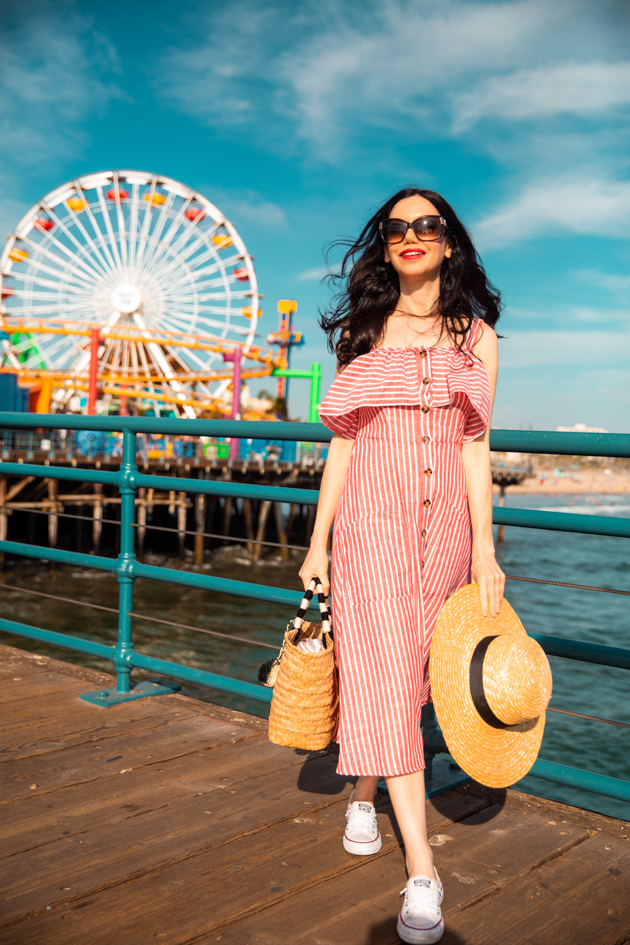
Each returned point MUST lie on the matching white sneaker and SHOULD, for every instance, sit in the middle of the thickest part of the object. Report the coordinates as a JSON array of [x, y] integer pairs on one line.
[[420, 920], [361, 836]]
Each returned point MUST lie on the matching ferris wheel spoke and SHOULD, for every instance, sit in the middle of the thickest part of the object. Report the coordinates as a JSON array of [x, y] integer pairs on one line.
[[100, 237], [80, 258], [178, 222], [75, 259], [86, 274], [145, 236], [108, 226], [174, 250], [34, 278], [37, 266], [159, 221]]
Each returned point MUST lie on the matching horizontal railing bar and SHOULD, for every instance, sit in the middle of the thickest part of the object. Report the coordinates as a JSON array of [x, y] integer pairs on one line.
[[238, 490], [274, 595], [584, 652], [584, 780], [237, 687], [73, 473], [243, 429], [57, 639], [518, 441], [59, 554], [554, 443], [562, 522]]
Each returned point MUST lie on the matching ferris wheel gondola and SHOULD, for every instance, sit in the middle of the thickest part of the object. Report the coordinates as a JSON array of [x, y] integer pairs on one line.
[[140, 257]]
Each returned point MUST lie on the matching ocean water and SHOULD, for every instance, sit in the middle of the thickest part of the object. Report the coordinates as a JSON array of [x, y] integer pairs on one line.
[[555, 556]]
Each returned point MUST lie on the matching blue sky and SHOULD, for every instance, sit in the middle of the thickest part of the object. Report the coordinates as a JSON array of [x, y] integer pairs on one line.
[[298, 119]]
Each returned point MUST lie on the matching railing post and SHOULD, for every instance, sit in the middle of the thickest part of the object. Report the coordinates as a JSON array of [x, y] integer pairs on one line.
[[123, 651], [126, 559]]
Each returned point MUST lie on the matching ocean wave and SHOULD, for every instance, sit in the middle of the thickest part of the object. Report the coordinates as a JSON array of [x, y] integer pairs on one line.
[[589, 509]]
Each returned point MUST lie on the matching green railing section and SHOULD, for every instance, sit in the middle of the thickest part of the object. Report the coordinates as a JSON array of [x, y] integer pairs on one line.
[[127, 568]]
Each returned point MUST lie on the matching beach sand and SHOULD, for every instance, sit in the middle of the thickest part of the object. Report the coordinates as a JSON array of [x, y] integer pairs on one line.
[[579, 483]]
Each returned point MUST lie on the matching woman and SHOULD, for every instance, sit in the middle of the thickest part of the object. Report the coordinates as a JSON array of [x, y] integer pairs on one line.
[[408, 483]]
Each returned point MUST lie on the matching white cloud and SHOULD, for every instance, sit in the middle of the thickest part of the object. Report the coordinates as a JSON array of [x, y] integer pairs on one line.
[[246, 205], [314, 275], [571, 88], [543, 349], [55, 72], [590, 207], [616, 284]]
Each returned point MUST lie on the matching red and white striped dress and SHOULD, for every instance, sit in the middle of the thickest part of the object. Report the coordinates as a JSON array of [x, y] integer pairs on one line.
[[402, 537]]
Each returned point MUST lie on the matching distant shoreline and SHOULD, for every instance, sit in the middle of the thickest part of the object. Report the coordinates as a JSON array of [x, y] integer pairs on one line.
[[590, 483]]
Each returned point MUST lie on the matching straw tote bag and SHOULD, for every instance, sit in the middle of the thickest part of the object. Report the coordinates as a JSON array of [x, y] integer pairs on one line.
[[305, 704]]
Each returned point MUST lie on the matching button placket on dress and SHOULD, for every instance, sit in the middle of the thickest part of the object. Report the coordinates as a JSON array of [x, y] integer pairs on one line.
[[425, 396]]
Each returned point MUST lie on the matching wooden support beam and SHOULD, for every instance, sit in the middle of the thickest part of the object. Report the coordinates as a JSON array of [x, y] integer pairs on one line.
[[141, 506], [181, 523], [262, 521], [97, 523], [200, 522], [13, 491], [247, 518], [282, 535]]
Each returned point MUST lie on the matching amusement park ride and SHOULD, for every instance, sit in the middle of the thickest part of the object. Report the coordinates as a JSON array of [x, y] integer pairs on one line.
[[128, 286]]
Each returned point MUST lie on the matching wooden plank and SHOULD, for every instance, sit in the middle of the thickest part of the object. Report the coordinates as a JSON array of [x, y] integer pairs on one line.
[[21, 666], [309, 839], [117, 755], [31, 688], [41, 819], [67, 712], [499, 845], [583, 896], [78, 728], [105, 855], [188, 898], [365, 907], [101, 857]]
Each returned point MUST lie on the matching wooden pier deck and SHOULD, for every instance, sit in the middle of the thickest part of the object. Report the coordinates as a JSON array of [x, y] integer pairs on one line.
[[173, 821]]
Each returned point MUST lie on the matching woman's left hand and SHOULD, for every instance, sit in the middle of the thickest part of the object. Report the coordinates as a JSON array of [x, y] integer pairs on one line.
[[491, 580]]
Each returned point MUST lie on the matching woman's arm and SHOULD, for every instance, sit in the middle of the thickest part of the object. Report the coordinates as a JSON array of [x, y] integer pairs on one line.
[[476, 458], [335, 471]]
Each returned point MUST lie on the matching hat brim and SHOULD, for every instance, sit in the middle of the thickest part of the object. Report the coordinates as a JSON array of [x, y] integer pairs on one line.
[[494, 757]]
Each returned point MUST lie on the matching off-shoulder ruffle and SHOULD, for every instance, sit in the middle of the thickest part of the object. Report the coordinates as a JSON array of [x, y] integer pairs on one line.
[[387, 377]]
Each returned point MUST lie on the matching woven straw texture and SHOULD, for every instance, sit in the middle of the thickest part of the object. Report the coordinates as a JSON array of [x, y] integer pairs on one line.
[[305, 704], [516, 682]]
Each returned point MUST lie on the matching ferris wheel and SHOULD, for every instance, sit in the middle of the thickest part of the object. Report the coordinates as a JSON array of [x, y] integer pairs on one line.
[[152, 264]]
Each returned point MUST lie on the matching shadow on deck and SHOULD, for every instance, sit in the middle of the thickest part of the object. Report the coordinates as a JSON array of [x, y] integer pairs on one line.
[[170, 820]]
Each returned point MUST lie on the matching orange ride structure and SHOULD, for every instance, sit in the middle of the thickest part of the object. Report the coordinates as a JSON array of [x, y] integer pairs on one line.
[[126, 285]]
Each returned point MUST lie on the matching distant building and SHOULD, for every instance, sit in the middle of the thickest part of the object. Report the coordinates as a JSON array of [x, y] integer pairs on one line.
[[580, 428]]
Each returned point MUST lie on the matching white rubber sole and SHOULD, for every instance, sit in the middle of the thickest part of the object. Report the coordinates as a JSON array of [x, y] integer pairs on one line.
[[420, 936], [362, 848]]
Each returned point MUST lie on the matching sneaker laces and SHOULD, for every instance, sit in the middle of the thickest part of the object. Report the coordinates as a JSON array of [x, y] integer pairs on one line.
[[420, 895], [362, 814]]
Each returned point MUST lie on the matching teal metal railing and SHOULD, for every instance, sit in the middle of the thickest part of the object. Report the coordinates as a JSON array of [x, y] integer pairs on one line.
[[127, 568]]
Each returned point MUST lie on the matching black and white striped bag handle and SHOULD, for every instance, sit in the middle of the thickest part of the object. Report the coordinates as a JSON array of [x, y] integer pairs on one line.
[[315, 585]]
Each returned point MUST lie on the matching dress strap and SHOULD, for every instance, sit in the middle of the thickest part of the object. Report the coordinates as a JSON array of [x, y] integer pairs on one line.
[[474, 334]]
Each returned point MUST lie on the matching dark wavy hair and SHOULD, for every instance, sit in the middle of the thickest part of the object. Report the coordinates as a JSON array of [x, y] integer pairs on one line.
[[369, 289]]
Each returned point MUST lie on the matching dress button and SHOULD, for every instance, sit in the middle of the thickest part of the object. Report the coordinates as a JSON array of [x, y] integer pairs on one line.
[[426, 380], [424, 533], [422, 564], [422, 353], [427, 503], [428, 472], [425, 409], [426, 439]]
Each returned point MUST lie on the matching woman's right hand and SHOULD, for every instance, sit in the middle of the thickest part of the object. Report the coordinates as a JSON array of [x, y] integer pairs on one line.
[[316, 565]]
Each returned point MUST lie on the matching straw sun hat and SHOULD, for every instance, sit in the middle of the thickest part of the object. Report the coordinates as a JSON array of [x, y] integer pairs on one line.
[[491, 684]]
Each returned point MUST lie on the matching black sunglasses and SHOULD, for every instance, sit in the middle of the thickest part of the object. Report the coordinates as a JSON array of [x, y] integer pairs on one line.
[[427, 229]]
